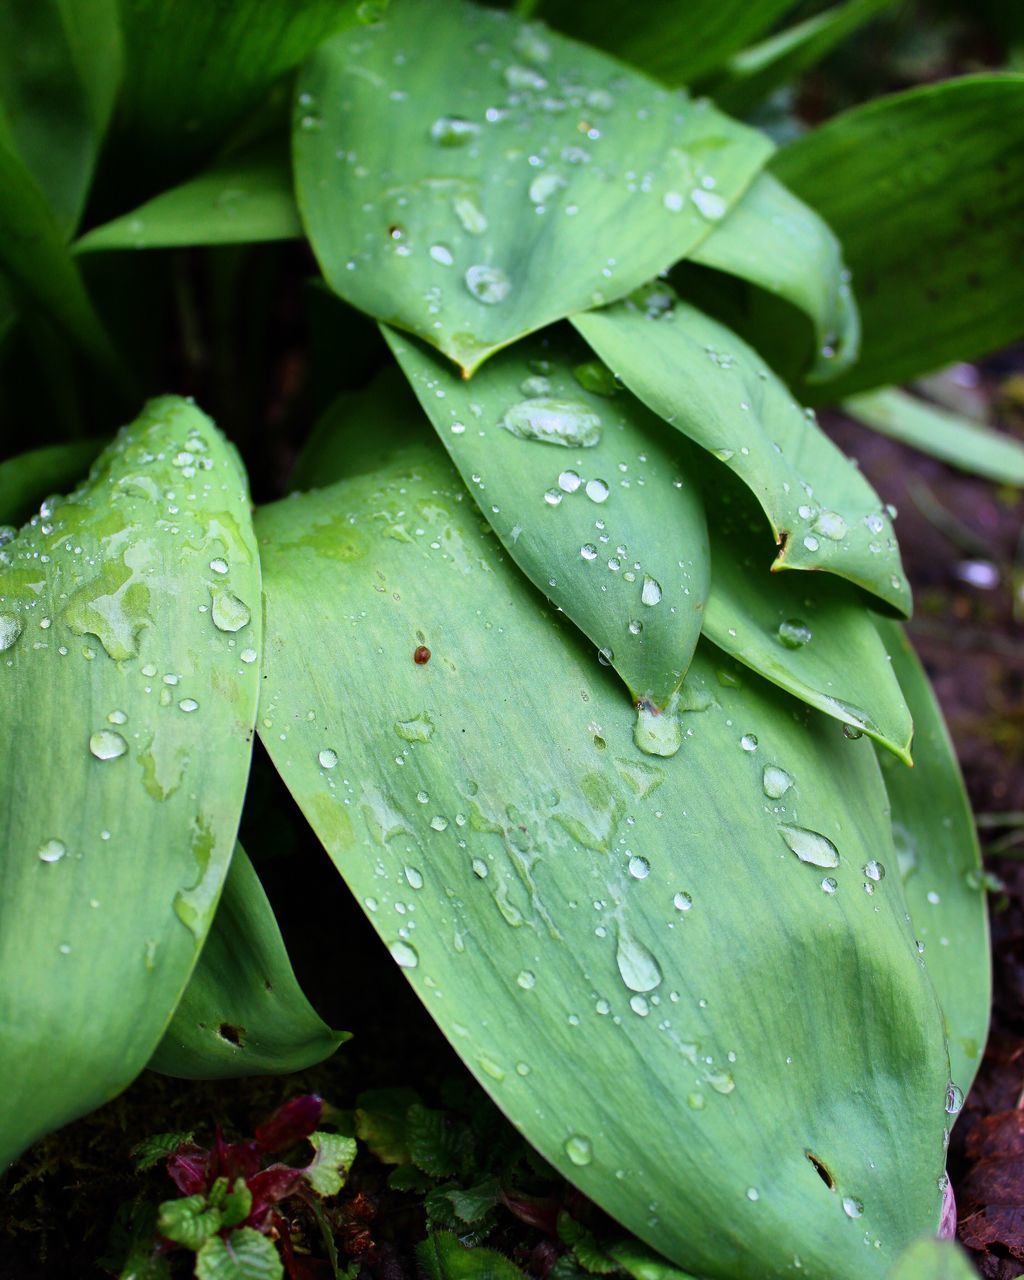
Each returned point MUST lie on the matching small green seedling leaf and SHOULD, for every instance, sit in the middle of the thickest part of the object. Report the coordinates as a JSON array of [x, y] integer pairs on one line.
[[158, 1147], [333, 1159], [380, 1123], [189, 1221], [442, 1257], [243, 1255], [523, 155]]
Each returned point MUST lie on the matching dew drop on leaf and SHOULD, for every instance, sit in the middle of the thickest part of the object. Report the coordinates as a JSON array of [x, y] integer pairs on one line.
[[954, 1098], [554, 421], [874, 870], [404, 955], [453, 131], [107, 745], [579, 1150], [11, 628], [638, 968], [229, 613], [775, 782], [852, 1207], [650, 594], [328, 758], [810, 846], [52, 850], [793, 633], [487, 284]]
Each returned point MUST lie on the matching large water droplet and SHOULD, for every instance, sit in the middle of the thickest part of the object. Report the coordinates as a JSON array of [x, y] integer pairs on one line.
[[414, 878], [657, 733], [487, 284], [403, 954], [775, 781], [852, 1207], [638, 968], [11, 626], [597, 490], [328, 758], [682, 902], [793, 633], [453, 131], [749, 742], [579, 1150], [709, 204], [874, 870], [52, 850], [954, 1098], [544, 186], [526, 980], [228, 612], [552, 421], [810, 846], [639, 868], [595, 376], [470, 214], [831, 525], [419, 729], [650, 594], [107, 745]]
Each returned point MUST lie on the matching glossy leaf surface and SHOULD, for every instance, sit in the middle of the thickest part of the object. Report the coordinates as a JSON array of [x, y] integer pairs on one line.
[[243, 1012], [776, 241], [585, 491], [556, 899], [930, 1259], [823, 513], [966, 445], [244, 199], [940, 865], [467, 177], [127, 616], [925, 190]]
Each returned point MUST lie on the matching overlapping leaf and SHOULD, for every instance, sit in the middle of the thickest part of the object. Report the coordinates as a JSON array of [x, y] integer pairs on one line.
[[28, 478], [585, 490], [823, 513], [468, 177], [130, 625], [777, 242], [925, 190], [243, 1012], [555, 896], [940, 865], [931, 1259]]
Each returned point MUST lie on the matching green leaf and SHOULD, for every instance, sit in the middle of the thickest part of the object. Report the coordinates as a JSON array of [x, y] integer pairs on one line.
[[435, 1144], [753, 73], [245, 198], [333, 1159], [925, 190], [706, 382], [243, 1255], [642, 1264], [60, 63], [678, 43], [28, 478], [586, 493], [585, 1248], [958, 441], [931, 1259], [188, 1221], [158, 1147], [381, 1123], [472, 244], [442, 1257], [237, 1204], [193, 70], [548, 879], [243, 1012], [940, 864], [475, 1203], [777, 242], [124, 648]]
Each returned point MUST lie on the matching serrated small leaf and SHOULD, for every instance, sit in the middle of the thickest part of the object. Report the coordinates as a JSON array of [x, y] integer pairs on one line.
[[150, 1151], [406, 1177], [442, 1257], [333, 1159], [470, 243], [380, 1122], [433, 1144], [473, 1203], [586, 493], [706, 382], [189, 1221], [243, 1255]]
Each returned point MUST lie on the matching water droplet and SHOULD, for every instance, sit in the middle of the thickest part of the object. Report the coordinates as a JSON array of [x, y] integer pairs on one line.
[[553, 421], [793, 633], [829, 885], [487, 284], [709, 204], [248, 655], [852, 1207], [535, 385], [682, 902], [52, 850], [524, 78], [469, 213], [775, 781], [526, 980], [228, 612], [544, 186], [107, 745], [753, 1194], [831, 525], [439, 822], [657, 733], [640, 1006], [188, 704], [414, 878], [480, 868], [954, 1098], [874, 870], [650, 594], [419, 729], [11, 626], [748, 742], [810, 846], [579, 1150], [638, 968], [453, 131], [328, 758], [635, 627], [595, 376], [219, 566], [569, 481], [117, 717], [673, 201], [442, 254], [639, 868], [852, 732], [403, 954], [588, 551], [811, 542], [597, 490]]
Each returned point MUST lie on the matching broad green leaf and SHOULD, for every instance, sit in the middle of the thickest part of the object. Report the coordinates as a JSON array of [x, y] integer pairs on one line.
[[925, 190], [641, 1264], [442, 1257], [243, 1255], [640, 960], [467, 177], [28, 478], [331, 1163], [955, 439], [813, 638], [679, 43], [931, 1259], [188, 1221], [707, 383], [940, 864], [35, 256], [244, 198], [586, 493], [128, 615], [753, 73], [59, 69], [193, 70], [777, 242], [243, 1012]]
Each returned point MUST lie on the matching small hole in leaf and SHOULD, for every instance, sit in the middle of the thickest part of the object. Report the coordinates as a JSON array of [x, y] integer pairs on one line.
[[821, 1171], [232, 1034]]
